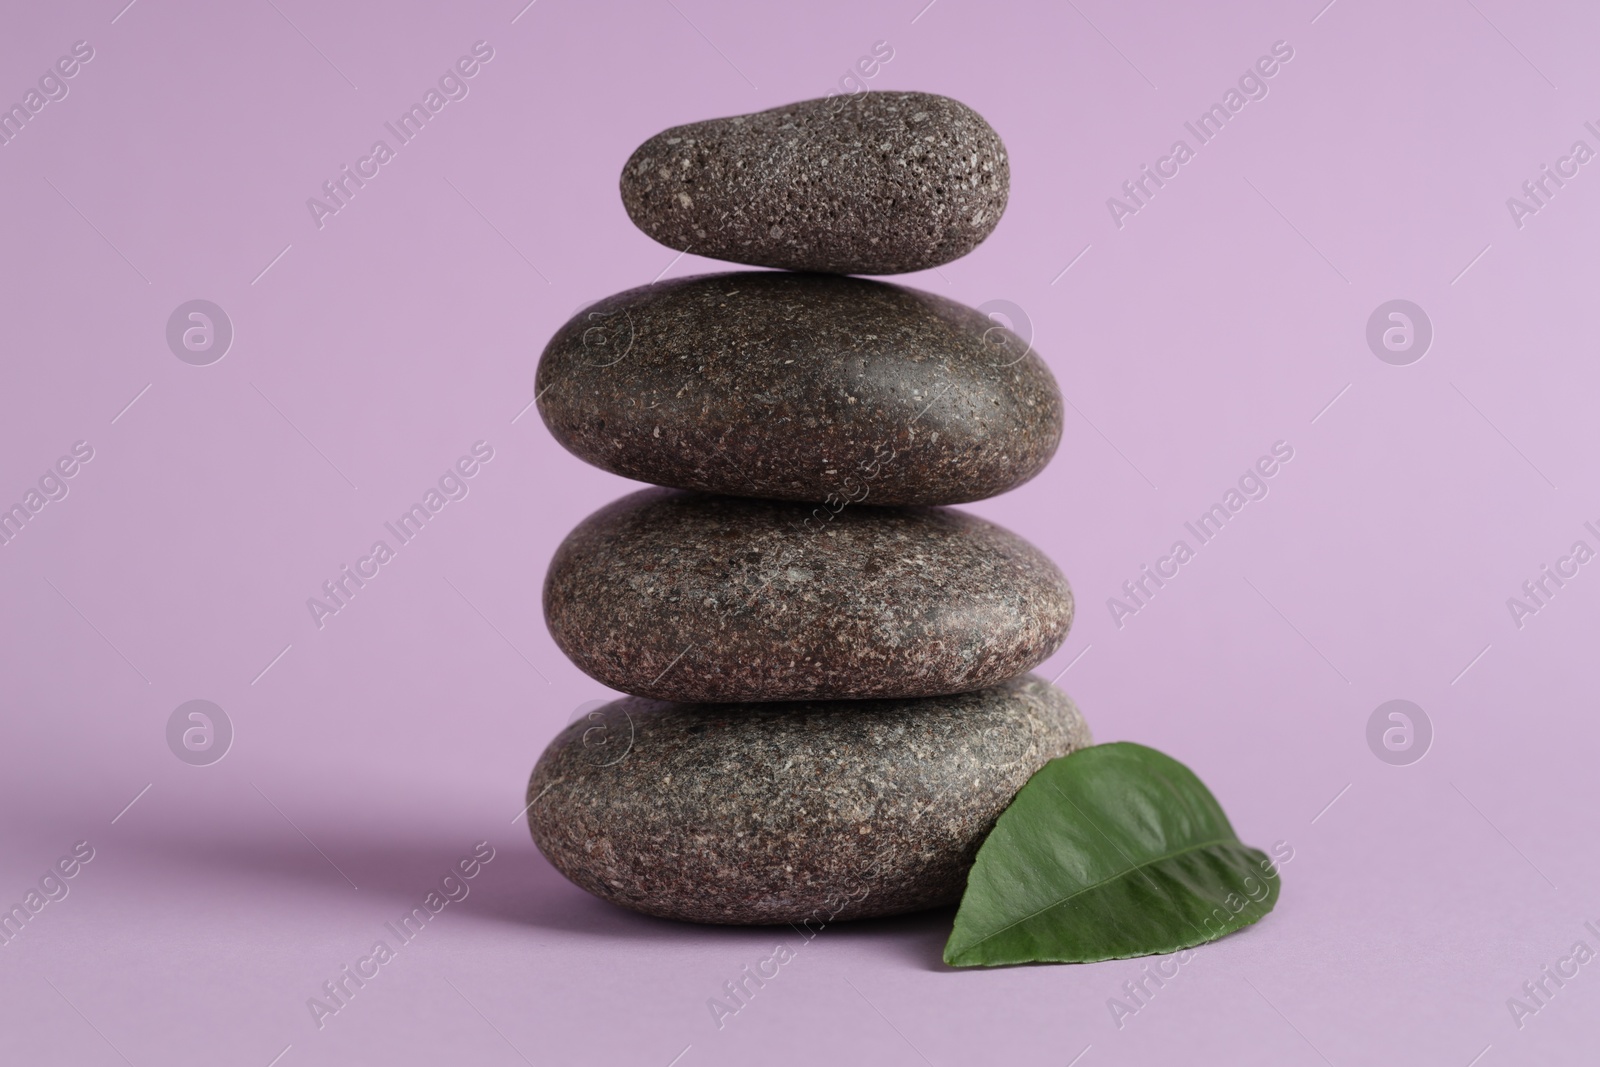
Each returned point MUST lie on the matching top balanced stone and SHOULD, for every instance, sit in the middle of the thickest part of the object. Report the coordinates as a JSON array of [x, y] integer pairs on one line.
[[874, 183]]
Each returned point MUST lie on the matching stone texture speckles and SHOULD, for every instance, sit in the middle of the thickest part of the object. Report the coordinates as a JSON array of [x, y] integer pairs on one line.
[[682, 596], [800, 387], [871, 183], [784, 813], [830, 703]]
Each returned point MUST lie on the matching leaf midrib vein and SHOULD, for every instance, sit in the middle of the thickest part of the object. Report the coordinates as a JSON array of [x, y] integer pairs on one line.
[[1104, 881]]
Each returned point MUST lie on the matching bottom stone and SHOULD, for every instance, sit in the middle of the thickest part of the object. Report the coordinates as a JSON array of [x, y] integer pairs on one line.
[[784, 813]]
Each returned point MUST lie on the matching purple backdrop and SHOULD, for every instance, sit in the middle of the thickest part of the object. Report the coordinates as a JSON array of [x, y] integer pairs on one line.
[[1192, 329]]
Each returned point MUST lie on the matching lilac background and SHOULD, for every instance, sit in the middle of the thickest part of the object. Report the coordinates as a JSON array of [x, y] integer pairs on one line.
[[1225, 316]]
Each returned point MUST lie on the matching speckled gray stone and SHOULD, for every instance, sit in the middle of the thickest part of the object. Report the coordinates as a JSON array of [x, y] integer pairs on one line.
[[808, 812], [684, 596], [871, 183], [800, 387]]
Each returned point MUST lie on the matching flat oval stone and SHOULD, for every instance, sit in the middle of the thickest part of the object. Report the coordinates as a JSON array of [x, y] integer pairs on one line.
[[800, 387], [683, 596], [798, 813], [869, 183]]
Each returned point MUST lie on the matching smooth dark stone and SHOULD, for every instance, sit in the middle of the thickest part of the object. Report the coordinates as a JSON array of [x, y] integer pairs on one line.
[[871, 183], [682, 596], [800, 387], [790, 813]]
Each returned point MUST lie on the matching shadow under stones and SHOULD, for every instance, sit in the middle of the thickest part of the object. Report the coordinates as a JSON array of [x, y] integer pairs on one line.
[[518, 887]]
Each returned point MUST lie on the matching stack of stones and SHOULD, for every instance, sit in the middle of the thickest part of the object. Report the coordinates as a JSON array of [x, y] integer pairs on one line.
[[830, 705]]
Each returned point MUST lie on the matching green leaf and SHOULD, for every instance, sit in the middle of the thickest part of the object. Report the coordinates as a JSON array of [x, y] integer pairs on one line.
[[1114, 851]]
